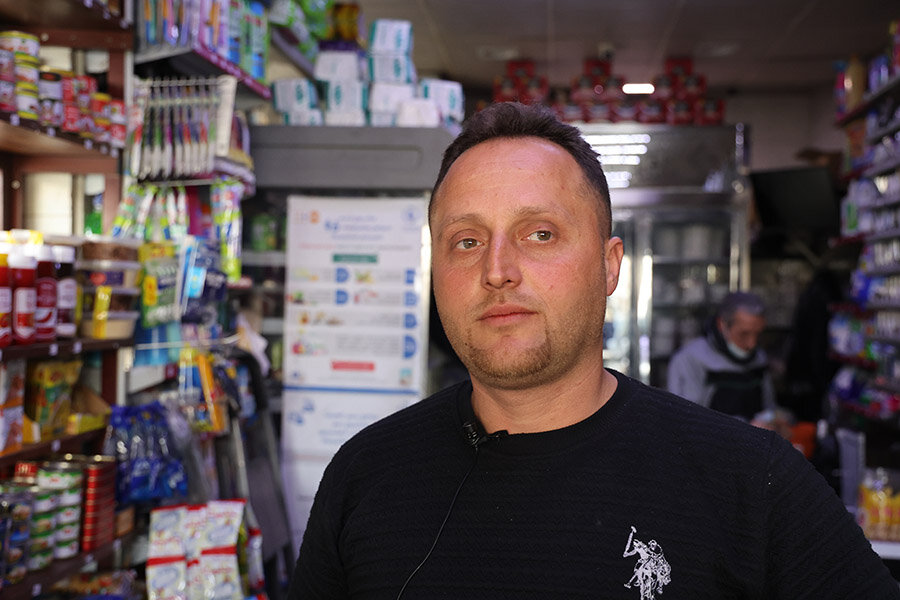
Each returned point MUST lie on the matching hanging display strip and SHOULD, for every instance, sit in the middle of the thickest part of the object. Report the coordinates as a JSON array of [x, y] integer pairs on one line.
[[180, 128]]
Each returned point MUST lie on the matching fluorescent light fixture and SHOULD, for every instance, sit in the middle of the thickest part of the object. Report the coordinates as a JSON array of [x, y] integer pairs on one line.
[[621, 149], [620, 159], [610, 139], [618, 179], [638, 88]]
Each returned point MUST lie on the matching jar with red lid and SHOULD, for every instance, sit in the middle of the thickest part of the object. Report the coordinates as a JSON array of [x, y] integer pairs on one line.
[[22, 269], [45, 290], [5, 297]]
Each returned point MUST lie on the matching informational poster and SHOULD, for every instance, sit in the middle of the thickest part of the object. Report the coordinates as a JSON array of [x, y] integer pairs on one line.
[[355, 327]]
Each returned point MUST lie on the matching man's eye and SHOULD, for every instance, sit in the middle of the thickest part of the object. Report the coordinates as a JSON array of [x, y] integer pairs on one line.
[[467, 244], [541, 236]]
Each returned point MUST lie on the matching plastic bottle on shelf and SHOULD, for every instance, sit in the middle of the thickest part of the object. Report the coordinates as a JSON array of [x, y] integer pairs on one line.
[[46, 294], [22, 268], [66, 291], [5, 297]]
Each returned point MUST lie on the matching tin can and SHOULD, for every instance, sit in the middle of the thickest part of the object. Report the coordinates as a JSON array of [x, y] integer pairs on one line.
[[64, 550], [117, 135], [27, 68], [69, 87], [67, 532], [40, 560], [68, 514], [59, 475], [71, 118], [20, 510], [95, 521], [117, 113], [85, 88], [19, 41], [99, 495], [42, 541], [43, 523], [70, 496], [45, 500], [100, 105], [27, 106], [26, 470], [8, 97], [7, 65]]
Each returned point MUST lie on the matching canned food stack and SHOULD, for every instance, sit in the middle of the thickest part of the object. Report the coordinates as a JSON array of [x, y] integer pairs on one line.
[[19, 504], [25, 64], [99, 502], [65, 477]]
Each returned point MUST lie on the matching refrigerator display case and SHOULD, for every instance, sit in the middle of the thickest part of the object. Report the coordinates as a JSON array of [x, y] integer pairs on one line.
[[680, 204]]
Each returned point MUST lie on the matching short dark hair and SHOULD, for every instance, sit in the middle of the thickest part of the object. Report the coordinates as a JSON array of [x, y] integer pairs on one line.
[[745, 301], [514, 120]]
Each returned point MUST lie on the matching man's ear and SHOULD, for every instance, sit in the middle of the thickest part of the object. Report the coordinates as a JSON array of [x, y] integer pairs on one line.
[[614, 252]]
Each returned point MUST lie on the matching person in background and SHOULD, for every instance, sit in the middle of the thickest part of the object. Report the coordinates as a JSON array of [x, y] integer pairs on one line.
[[545, 475], [725, 369]]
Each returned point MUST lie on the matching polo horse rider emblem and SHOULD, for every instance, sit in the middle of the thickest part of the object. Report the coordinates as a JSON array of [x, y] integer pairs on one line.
[[652, 571]]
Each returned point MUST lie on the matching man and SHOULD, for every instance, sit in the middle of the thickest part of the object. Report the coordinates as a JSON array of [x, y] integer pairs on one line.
[[528, 481], [725, 369]]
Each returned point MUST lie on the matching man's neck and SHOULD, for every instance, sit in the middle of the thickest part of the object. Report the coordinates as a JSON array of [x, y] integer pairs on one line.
[[550, 406]]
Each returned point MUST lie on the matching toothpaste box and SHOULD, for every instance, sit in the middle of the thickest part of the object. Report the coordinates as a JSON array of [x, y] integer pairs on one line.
[[293, 94], [345, 118], [386, 97], [337, 65], [346, 95], [391, 68], [390, 36], [418, 112], [447, 94]]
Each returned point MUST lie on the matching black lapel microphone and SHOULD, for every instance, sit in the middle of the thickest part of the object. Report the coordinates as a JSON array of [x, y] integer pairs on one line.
[[475, 438]]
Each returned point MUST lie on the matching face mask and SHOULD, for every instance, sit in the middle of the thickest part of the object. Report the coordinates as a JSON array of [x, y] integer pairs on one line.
[[739, 353]]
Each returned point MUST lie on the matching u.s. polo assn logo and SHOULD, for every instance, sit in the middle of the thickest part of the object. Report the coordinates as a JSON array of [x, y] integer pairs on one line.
[[652, 572]]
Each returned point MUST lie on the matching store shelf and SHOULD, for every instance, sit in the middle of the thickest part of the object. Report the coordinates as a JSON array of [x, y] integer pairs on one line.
[[855, 361], [197, 60], [60, 348], [146, 376], [888, 385], [884, 339], [887, 234], [42, 449], [883, 167], [872, 306], [869, 100], [847, 240], [34, 141], [286, 42], [268, 258], [886, 550], [72, 14], [39, 582], [884, 270], [848, 307], [875, 137]]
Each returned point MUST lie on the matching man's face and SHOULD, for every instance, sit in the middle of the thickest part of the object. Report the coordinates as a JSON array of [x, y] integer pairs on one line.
[[521, 272], [744, 329]]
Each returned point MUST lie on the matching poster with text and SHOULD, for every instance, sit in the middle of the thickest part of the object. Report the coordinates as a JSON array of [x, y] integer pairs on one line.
[[355, 328], [357, 281]]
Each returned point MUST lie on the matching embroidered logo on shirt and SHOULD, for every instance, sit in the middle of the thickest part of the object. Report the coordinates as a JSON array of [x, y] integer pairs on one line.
[[652, 572]]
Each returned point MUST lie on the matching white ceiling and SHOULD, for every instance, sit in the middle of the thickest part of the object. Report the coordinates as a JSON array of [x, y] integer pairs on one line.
[[740, 45]]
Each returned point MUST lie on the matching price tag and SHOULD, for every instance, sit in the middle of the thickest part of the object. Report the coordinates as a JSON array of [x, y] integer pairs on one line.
[[35, 590], [54, 349], [89, 144], [76, 347], [51, 131], [55, 445], [14, 120]]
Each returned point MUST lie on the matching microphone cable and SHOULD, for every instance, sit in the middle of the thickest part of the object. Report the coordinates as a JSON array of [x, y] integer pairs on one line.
[[441, 529]]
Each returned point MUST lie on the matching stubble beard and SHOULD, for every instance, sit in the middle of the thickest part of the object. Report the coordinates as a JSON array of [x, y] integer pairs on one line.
[[553, 357]]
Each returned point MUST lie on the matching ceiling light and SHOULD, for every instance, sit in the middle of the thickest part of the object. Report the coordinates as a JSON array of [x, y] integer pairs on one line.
[[638, 88]]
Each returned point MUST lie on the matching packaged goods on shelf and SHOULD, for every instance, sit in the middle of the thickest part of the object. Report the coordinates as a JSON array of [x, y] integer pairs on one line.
[[390, 36], [346, 96], [418, 112], [48, 397], [447, 94], [12, 405], [879, 499], [296, 94], [339, 65], [391, 68]]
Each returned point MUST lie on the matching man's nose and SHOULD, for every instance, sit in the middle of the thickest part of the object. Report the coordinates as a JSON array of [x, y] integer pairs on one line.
[[501, 263]]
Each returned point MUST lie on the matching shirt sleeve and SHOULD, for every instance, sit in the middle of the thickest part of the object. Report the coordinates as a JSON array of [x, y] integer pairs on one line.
[[318, 573], [815, 549]]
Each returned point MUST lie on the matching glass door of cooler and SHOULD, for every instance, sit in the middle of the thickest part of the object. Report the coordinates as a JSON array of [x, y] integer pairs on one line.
[[696, 260], [619, 348]]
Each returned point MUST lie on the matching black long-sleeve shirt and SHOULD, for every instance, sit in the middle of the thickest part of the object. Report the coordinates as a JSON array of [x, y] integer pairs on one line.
[[651, 497]]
